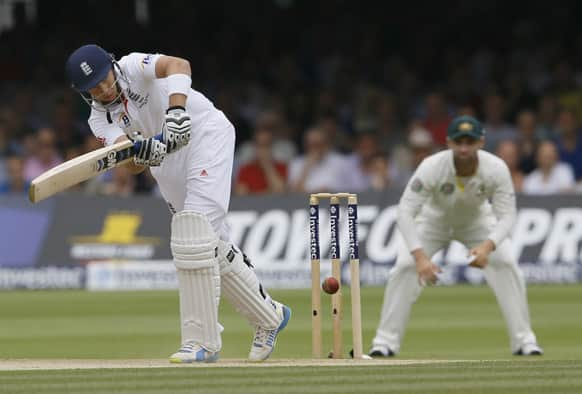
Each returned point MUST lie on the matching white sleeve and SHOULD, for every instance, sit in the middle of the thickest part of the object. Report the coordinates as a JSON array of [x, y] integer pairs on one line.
[[415, 195], [503, 202], [140, 66], [107, 133]]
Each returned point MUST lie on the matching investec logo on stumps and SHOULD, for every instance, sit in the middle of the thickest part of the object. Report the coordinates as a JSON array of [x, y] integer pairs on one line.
[[314, 231], [353, 231], [333, 221]]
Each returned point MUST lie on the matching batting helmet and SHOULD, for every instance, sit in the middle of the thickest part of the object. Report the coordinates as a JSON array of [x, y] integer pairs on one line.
[[88, 66]]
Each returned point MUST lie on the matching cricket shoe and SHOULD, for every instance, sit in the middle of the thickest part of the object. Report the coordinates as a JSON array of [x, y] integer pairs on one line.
[[529, 349], [191, 352], [381, 351], [265, 340]]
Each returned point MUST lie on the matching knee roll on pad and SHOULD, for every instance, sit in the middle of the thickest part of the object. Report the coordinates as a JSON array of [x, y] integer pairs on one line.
[[193, 241]]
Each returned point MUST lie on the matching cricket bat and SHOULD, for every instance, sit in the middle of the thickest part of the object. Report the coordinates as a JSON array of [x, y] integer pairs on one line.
[[80, 169]]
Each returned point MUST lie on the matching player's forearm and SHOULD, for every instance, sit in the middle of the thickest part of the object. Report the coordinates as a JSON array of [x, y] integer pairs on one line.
[[177, 71], [407, 227], [419, 255], [502, 229], [504, 208]]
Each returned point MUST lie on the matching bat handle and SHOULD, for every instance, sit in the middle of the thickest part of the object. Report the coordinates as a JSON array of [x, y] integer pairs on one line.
[[138, 141]]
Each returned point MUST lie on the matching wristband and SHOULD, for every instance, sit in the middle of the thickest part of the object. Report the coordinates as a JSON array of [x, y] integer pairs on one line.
[[179, 84], [173, 107]]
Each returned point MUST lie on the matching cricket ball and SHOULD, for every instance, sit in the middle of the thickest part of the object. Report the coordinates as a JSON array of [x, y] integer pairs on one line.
[[330, 285]]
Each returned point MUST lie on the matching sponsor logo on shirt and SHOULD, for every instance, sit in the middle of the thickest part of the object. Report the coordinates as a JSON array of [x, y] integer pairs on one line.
[[137, 98], [125, 119], [146, 60]]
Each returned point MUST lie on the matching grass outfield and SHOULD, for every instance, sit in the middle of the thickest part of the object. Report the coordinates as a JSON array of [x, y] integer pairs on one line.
[[448, 323]]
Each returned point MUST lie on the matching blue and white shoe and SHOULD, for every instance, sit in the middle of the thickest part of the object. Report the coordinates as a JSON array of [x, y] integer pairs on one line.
[[191, 352], [265, 340]]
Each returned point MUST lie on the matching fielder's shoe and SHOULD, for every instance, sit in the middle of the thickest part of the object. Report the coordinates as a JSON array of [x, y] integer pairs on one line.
[[381, 351], [191, 352], [264, 341], [529, 349]]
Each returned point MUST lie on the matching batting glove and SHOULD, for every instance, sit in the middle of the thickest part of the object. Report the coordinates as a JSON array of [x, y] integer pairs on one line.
[[149, 152], [176, 132]]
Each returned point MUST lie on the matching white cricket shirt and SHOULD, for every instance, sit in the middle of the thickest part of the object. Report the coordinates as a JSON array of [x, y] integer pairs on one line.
[[145, 103], [436, 195]]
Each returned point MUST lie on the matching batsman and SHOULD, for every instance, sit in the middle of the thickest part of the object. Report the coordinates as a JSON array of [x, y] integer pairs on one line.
[[189, 146], [464, 194]]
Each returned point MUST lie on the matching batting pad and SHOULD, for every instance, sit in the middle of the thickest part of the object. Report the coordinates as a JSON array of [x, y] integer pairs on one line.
[[193, 244], [198, 307], [193, 241], [241, 287]]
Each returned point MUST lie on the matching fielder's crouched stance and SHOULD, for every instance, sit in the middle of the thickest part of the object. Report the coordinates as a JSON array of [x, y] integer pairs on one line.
[[448, 198], [191, 160]]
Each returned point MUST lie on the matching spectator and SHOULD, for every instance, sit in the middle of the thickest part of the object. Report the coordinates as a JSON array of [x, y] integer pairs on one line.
[[421, 145], [388, 127], [320, 169], [468, 110], [437, 118], [15, 182], [381, 177], [68, 133], [547, 113], [528, 137], [263, 174], [283, 147], [509, 152], [495, 126], [570, 141], [122, 183], [3, 152], [45, 155], [329, 123], [361, 165], [551, 176]]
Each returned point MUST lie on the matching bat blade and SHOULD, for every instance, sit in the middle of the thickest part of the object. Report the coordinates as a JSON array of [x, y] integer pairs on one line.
[[79, 169]]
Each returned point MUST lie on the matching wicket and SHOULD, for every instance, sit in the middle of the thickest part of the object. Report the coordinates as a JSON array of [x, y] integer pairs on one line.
[[336, 299]]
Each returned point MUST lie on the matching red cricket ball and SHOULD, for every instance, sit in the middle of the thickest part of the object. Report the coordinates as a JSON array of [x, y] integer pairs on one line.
[[330, 285]]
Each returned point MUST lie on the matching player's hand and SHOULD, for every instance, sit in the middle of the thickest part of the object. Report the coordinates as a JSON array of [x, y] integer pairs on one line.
[[427, 271], [176, 130], [150, 152], [479, 255]]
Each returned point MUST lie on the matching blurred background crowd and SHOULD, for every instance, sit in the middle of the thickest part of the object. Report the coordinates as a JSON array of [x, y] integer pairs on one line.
[[350, 100]]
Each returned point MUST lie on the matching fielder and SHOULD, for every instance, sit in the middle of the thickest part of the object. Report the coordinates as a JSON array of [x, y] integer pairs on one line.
[[140, 97], [448, 198]]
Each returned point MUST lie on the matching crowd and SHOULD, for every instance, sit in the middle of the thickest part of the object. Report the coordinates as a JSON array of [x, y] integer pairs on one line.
[[312, 115]]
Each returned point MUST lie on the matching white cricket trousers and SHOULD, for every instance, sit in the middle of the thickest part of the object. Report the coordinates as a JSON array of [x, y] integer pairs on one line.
[[198, 177], [501, 273]]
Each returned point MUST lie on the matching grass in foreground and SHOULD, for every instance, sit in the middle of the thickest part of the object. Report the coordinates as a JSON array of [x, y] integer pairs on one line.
[[447, 323], [459, 322], [525, 376]]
